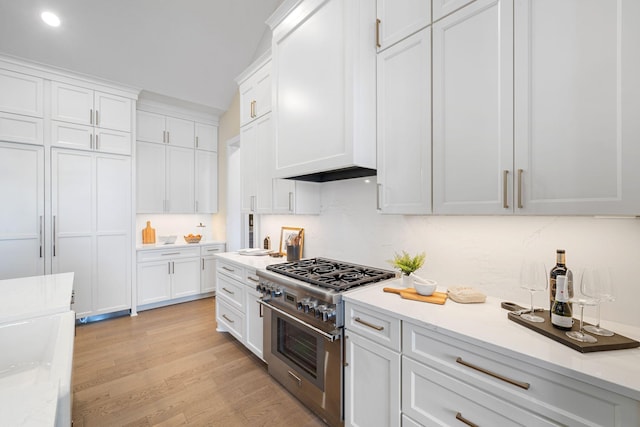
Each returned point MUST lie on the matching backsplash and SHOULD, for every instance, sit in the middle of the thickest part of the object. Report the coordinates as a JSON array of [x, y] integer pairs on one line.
[[173, 224], [480, 251]]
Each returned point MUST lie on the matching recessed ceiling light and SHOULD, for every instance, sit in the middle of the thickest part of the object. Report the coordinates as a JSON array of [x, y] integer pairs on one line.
[[50, 18]]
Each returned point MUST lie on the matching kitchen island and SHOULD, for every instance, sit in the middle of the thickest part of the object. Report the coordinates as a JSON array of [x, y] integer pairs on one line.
[[434, 351]]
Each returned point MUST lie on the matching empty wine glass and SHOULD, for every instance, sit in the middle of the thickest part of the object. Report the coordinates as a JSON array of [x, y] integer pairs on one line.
[[533, 278], [599, 286], [581, 299]]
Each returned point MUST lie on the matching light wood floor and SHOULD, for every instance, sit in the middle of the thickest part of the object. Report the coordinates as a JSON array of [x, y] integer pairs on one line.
[[169, 367]]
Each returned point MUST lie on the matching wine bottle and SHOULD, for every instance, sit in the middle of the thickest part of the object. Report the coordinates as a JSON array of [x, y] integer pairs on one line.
[[561, 314], [559, 269]]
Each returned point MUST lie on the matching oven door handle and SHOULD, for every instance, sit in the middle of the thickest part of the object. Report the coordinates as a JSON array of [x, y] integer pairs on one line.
[[330, 337]]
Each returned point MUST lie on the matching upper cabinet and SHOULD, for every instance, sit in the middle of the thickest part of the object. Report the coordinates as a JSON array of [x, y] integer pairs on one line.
[[536, 116], [442, 8], [324, 54], [255, 94], [162, 129], [206, 137], [398, 19], [21, 94]]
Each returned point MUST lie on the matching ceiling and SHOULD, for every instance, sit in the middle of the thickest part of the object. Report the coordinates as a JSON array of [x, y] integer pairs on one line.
[[189, 50]]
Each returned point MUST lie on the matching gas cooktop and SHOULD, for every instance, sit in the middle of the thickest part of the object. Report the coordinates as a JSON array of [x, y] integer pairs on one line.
[[331, 274]]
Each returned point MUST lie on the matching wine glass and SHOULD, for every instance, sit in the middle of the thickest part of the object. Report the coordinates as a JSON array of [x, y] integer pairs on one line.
[[598, 286], [581, 299], [533, 278]]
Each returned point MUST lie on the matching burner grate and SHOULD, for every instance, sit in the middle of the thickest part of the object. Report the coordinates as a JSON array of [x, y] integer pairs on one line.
[[331, 274]]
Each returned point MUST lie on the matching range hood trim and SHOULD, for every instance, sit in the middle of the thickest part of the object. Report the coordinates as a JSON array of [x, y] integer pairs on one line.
[[336, 174]]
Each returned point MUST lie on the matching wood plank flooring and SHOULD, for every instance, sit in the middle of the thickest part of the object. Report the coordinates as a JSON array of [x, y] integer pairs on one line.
[[169, 367]]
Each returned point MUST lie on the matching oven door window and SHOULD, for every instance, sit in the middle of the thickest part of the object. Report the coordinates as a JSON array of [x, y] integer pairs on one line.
[[302, 348]]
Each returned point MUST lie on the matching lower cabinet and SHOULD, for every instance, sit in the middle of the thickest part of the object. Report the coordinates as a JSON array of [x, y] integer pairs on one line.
[[208, 265], [237, 310]]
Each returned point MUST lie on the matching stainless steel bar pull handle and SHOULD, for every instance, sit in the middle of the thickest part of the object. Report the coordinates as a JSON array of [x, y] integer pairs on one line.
[[371, 325], [54, 235], [378, 189], [378, 22], [90, 116], [505, 189], [295, 377], [40, 235], [164, 136], [97, 143], [520, 171], [459, 417], [227, 319], [253, 279], [520, 384], [196, 142], [202, 263], [228, 269], [97, 119], [228, 291], [90, 142]]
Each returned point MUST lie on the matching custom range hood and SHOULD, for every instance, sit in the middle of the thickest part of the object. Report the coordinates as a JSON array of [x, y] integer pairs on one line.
[[324, 93]]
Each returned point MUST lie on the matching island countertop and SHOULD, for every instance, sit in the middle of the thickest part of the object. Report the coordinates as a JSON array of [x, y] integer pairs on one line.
[[487, 325]]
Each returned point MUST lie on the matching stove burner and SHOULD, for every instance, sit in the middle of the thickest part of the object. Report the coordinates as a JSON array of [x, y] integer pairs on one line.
[[331, 274]]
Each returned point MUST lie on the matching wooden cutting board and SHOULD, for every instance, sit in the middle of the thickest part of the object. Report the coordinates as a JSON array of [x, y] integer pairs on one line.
[[412, 294], [148, 234]]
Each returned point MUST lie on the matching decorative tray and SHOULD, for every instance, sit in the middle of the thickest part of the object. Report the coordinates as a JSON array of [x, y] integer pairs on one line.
[[615, 342]]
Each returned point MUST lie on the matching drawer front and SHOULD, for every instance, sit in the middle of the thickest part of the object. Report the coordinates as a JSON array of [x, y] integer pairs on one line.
[[206, 250], [378, 327], [231, 291], [558, 397], [229, 319], [231, 270], [435, 399], [251, 279], [166, 254], [25, 129]]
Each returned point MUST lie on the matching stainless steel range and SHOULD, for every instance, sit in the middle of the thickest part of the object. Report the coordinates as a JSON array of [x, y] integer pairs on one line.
[[303, 324]]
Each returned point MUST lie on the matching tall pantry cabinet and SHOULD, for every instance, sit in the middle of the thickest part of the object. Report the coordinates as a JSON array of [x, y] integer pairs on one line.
[[65, 172]]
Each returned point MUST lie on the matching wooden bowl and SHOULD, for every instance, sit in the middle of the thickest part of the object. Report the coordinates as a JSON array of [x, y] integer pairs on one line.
[[192, 238]]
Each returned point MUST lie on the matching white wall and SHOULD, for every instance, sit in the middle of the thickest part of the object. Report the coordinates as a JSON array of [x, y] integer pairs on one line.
[[483, 252], [178, 225]]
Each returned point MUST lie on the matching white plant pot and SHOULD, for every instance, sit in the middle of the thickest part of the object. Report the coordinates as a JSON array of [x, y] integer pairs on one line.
[[407, 281]]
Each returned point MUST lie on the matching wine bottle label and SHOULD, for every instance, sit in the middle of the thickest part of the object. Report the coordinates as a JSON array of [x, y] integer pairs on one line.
[[562, 321]]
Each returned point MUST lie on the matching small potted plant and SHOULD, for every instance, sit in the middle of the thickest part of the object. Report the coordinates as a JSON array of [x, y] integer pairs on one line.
[[407, 264]]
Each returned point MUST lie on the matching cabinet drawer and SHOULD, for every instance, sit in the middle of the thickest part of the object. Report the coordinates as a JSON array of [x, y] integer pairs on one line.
[[378, 327], [173, 253], [230, 319], [231, 270], [548, 393], [231, 291], [17, 128], [206, 250], [435, 399], [251, 279]]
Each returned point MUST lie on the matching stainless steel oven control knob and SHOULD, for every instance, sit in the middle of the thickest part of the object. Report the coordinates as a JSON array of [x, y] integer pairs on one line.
[[301, 303], [276, 292], [310, 305], [328, 314], [319, 310]]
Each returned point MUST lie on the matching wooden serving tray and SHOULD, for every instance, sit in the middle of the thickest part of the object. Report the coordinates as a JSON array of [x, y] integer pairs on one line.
[[615, 342], [412, 294]]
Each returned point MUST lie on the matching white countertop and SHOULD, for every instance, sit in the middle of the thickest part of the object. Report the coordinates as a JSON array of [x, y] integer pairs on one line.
[[487, 325], [35, 296], [251, 261], [178, 244], [33, 405]]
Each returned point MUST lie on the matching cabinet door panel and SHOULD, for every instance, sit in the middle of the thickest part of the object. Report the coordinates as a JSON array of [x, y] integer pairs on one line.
[[22, 214], [16, 128], [206, 137], [74, 253], [263, 90], [113, 112], [573, 116], [185, 277], [404, 126], [180, 180], [153, 282], [248, 167], [264, 164], [247, 96], [113, 194], [113, 277], [208, 274], [442, 8], [150, 177], [401, 18], [112, 141], [21, 94], [71, 135], [473, 110], [180, 132], [71, 104], [206, 182], [254, 322], [150, 127], [72, 197]]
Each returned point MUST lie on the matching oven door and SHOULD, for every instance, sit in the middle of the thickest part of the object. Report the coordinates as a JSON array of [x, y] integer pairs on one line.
[[306, 361]]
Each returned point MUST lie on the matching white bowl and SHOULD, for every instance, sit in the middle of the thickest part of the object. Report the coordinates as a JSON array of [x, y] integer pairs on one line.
[[167, 240], [426, 287]]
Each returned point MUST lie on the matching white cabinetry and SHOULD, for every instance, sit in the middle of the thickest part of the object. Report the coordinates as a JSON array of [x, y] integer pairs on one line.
[[398, 19], [165, 274], [21, 94], [372, 368], [91, 222], [442, 8], [324, 86], [177, 165], [209, 264], [404, 126], [255, 93], [237, 310], [22, 215]]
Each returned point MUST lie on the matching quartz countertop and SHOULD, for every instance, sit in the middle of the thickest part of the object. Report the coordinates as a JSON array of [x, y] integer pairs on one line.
[[252, 261], [178, 244], [32, 405], [35, 296], [487, 325]]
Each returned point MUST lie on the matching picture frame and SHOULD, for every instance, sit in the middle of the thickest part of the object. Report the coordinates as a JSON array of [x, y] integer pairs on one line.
[[286, 233]]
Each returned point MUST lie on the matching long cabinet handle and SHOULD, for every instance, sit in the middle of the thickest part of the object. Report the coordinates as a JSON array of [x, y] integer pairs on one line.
[[213, 250], [97, 119], [227, 319], [170, 253], [371, 325], [164, 136], [54, 235], [253, 279], [90, 116], [228, 269], [196, 142], [520, 206], [97, 142], [168, 137], [378, 22], [90, 141], [459, 417], [520, 384], [290, 201], [169, 267], [202, 259], [505, 189], [228, 291], [378, 188], [40, 235]]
